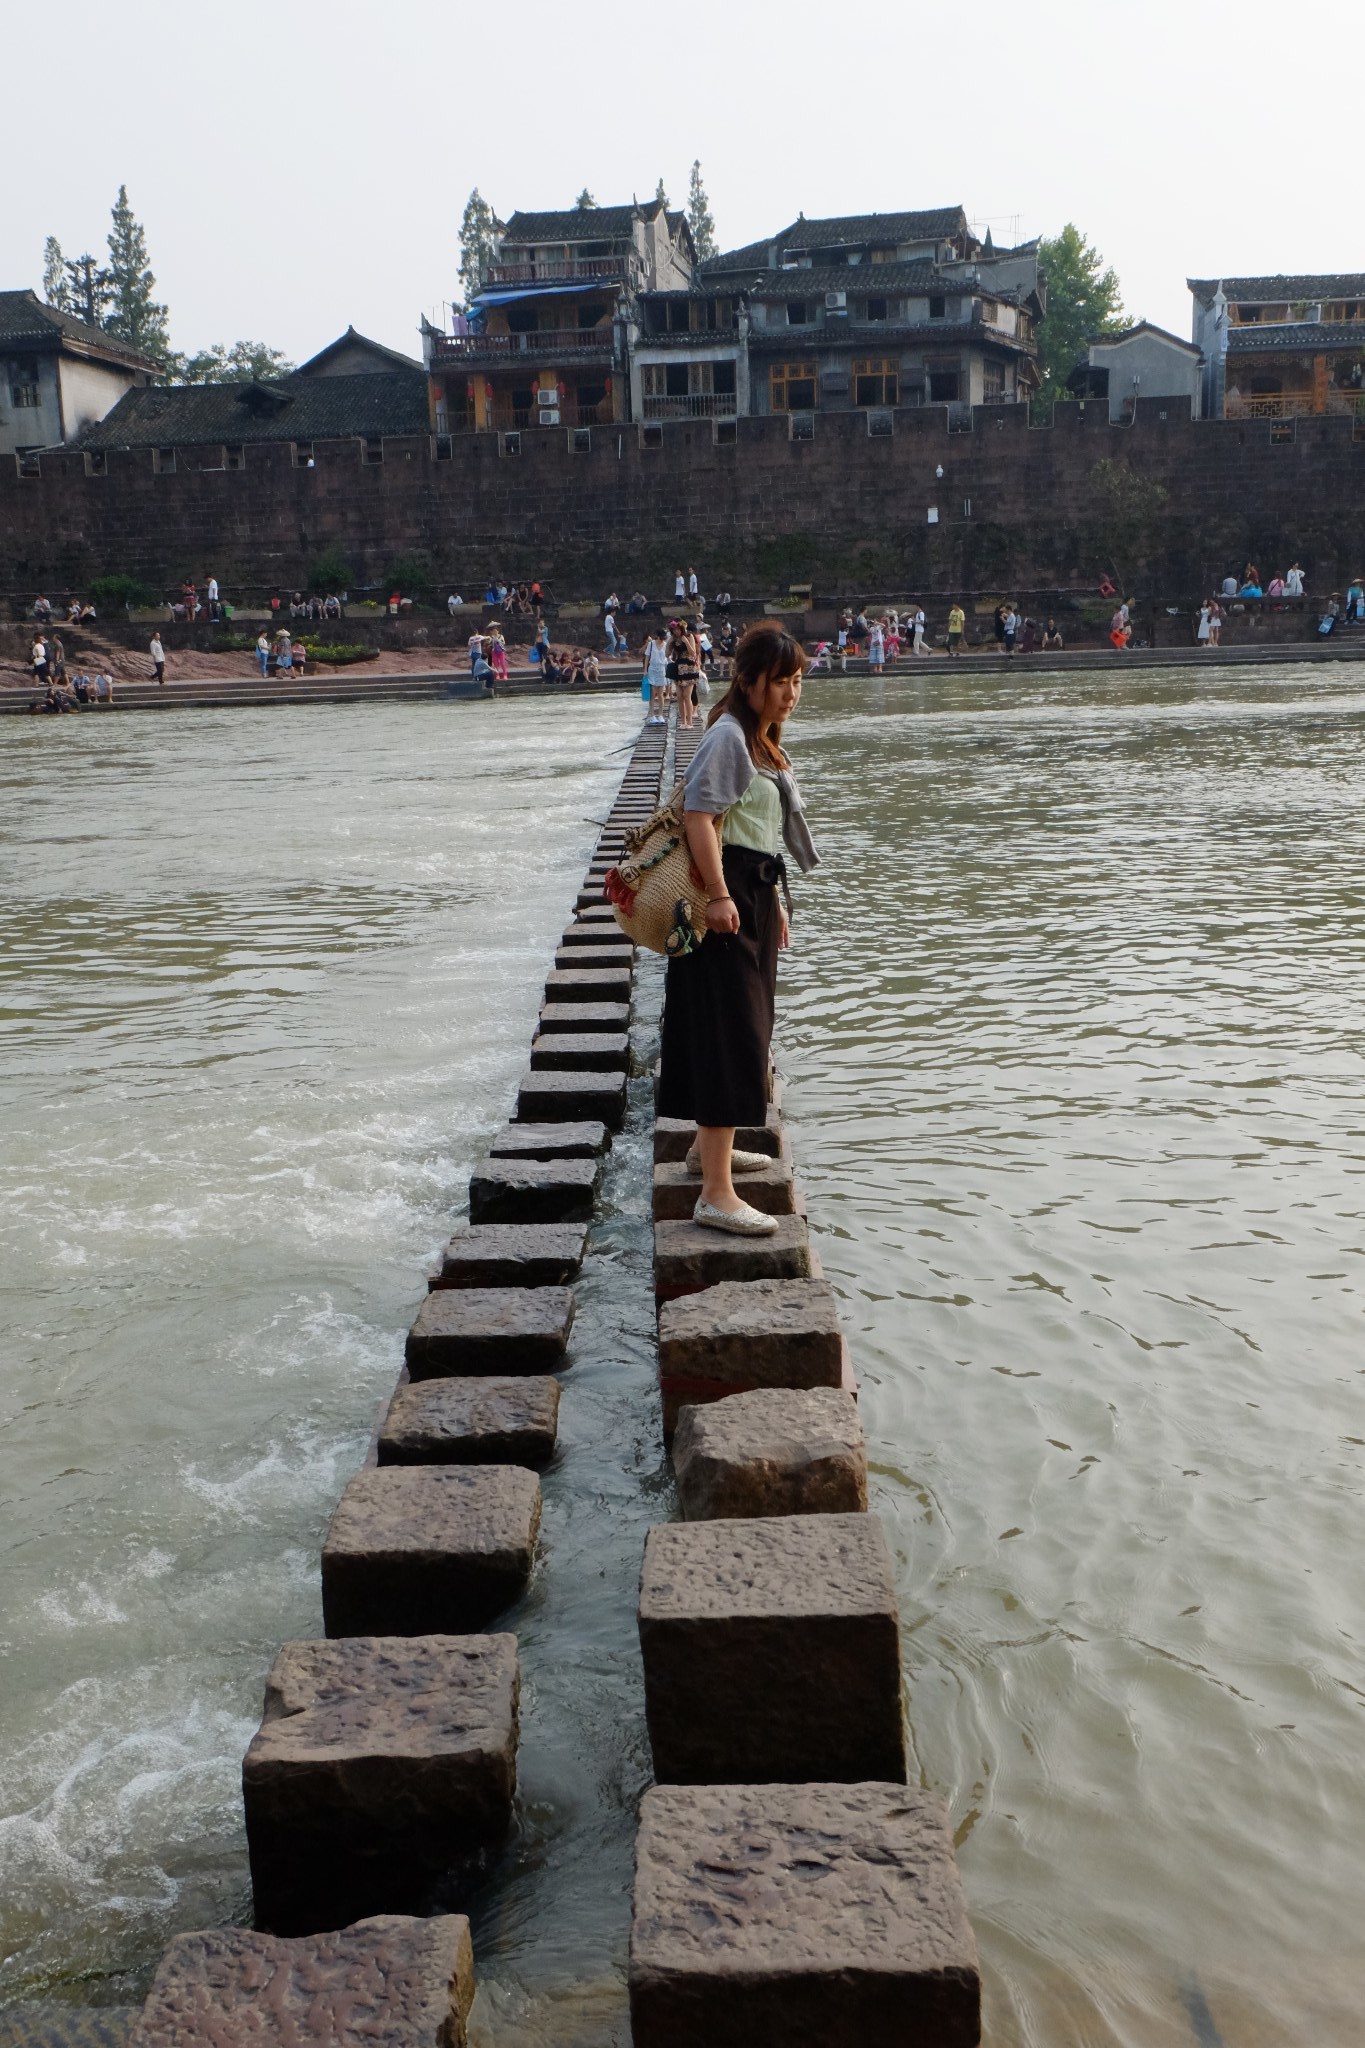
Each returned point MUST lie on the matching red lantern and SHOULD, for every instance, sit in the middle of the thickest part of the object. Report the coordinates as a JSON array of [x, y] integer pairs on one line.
[[607, 385]]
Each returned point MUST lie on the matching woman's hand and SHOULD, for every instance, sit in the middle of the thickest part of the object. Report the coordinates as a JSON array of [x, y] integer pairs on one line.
[[784, 927], [722, 915]]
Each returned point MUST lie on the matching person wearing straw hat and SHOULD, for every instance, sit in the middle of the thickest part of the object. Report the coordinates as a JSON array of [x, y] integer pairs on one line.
[[741, 808]]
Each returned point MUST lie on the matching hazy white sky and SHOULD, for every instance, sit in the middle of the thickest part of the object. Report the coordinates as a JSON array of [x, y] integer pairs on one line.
[[300, 166]]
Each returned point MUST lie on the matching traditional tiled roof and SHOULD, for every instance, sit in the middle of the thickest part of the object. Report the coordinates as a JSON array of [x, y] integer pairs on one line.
[[575, 224], [846, 229], [1344, 284], [1145, 327], [1310, 335], [872, 280], [292, 409], [27, 322], [352, 339], [860, 338]]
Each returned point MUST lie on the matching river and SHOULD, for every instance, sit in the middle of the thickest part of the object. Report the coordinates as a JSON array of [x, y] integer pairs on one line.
[[1071, 1036]]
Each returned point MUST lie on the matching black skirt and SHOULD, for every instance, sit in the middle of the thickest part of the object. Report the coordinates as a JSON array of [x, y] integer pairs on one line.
[[719, 1003]]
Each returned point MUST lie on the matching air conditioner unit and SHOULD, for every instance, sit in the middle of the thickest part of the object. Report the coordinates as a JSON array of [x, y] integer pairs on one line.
[[836, 302], [544, 397]]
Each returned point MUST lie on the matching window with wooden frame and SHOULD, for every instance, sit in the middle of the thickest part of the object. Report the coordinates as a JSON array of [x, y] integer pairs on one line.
[[652, 380], [792, 386], [992, 383], [876, 381]]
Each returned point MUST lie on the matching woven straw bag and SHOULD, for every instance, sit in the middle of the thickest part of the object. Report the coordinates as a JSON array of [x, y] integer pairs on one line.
[[655, 890]]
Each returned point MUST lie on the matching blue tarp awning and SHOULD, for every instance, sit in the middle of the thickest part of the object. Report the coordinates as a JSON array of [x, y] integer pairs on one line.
[[536, 291]]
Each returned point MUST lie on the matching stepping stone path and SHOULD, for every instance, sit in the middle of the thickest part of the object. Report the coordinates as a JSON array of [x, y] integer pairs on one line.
[[489, 1329], [493, 1421], [775, 1452], [597, 1052], [381, 1762], [549, 1141], [544, 1097], [688, 1257], [533, 1191], [512, 1255], [388, 1982], [676, 1190], [771, 1649], [736, 1336], [826, 1914], [428, 1550]]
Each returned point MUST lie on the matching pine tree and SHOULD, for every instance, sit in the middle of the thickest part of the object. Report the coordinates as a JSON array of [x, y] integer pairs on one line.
[[246, 362], [87, 289], [478, 241], [585, 201], [661, 197], [134, 315], [56, 290], [699, 215]]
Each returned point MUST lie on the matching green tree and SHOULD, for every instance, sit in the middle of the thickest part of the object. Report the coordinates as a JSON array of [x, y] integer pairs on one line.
[[134, 316], [1083, 298], [585, 201], [478, 240], [56, 290], [245, 362], [699, 215], [87, 289], [661, 197]]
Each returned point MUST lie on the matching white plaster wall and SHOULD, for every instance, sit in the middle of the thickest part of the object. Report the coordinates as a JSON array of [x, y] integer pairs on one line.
[[89, 391]]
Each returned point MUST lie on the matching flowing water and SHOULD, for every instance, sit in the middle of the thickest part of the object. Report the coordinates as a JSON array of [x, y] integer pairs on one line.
[[1071, 1036]]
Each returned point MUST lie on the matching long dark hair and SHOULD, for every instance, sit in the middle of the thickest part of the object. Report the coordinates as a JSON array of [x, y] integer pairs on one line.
[[766, 653]]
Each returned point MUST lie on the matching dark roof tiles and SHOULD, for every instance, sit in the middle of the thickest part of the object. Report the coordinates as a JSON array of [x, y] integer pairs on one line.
[[1343, 284], [291, 409], [26, 319], [574, 224], [1298, 335]]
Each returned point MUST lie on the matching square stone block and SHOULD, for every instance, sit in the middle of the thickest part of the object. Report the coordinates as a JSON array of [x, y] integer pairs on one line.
[[381, 1763], [513, 1255], [595, 934], [687, 1258], [576, 1017], [600, 1052], [428, 1550], [389, 1982], [588, 985], [572, 959], [775, 1452], [489, 1329], [674, 1137], [771, 1650], [550, 1141], [492, 1421], [676, 1190], [545, 1097], [811, 1916], [533, 1191], [756, 1333], [597, 913]]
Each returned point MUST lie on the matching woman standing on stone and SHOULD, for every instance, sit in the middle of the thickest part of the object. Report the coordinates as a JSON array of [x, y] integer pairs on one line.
[[741, 808], [684, 658]]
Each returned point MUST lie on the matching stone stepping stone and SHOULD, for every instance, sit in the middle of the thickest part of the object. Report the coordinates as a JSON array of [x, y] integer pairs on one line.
[[687, 1257], [593, 935], [771, 1650], [588, 985], [599, 1052], [676, 1190], [758, 1333], [533, 1190], [513, 1255], [549, 1141], [428, 1550], [388, 1982], [569, 959], [598, 913], [829, 1914], [545, 1097], [380, 1764], [575, 1017], [492, 1421], [462, 1330], [674, 1137], [780, 1451]]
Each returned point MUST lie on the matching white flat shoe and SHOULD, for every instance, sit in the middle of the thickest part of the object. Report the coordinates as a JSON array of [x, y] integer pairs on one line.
[[740, 1162], [741, 1222]]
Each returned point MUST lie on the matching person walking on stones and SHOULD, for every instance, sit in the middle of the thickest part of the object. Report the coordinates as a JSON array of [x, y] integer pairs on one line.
[[741, 807], [158, 654], [684, 659]]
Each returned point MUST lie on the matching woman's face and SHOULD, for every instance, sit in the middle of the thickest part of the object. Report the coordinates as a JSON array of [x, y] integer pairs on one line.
[[774, 698]]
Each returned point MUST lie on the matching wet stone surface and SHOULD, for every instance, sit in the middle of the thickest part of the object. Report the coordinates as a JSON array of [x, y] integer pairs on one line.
[[819, 1915], [493, 1421], [380, 1763], [513, 1255], [533, 1191], [550, 1141], [778, 1451], [782, 1333], [543, 1097], [676, 1190], [574, 1017], [387, 1982], [674, 1137], [771, 1649], [428, 1550], [598, 1052], [489, 1329], [687, 1257]]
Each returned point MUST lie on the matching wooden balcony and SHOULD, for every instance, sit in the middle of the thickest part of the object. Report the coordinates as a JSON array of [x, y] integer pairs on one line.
[[569, 270], [691, 405], [1292, 405], [448, 350]]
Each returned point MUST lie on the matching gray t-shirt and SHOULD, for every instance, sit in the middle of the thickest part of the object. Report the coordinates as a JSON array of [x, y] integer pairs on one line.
[[720, 772]]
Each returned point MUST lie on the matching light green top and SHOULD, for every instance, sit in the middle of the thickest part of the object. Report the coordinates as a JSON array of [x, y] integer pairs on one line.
[[756, 820]]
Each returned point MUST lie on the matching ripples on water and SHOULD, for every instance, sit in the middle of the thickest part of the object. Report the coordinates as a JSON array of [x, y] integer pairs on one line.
[[266, 985], [1073, 1032]]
